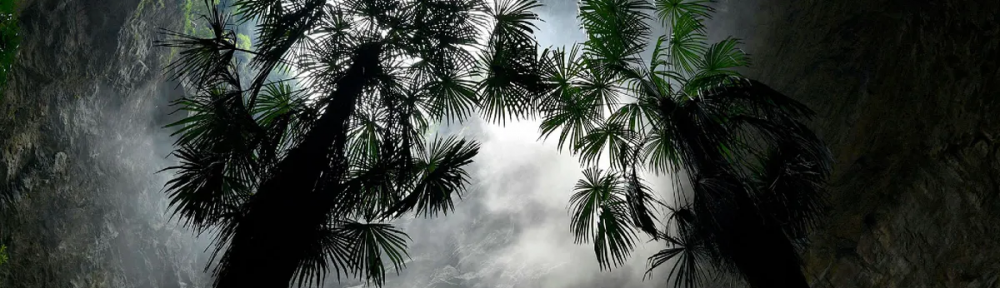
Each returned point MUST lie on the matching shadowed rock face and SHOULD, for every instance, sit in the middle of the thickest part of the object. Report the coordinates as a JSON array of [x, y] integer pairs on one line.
[[80, 138], [908, 97]]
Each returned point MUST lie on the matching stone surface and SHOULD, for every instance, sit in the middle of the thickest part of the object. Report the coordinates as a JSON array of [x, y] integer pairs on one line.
[[908, 98], [81, 145]]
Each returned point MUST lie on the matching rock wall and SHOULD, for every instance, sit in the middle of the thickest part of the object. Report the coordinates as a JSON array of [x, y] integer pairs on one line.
[[81, 145], [908, 98]]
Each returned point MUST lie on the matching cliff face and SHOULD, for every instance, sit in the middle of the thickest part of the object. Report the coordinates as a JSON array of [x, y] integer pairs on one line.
[[908, 98], [80, 138]]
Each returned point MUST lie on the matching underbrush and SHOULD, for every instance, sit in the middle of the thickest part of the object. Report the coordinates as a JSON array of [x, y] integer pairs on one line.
[[10, 38]]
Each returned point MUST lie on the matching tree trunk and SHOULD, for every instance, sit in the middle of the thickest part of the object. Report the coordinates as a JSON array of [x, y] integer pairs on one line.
[[283, 220], [762, 252]]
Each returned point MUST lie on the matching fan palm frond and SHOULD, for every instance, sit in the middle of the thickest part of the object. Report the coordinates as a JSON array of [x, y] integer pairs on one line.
[[440, 175], [687, 43], [202, 191], [670, 11], [617, 30], [599, 214], [370, 244], [721, 58]]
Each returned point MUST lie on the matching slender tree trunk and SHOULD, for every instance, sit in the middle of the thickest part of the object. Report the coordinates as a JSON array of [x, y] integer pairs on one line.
[[760, 249], [283, 222]]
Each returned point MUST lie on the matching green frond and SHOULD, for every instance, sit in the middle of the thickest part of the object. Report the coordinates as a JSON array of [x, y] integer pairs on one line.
[[513, 20], [660, 55], [278, 99], [562, 71], [688, 269], [687, 43], [615, 238], [661, 153], [440, 174], [365, 137], [204, 190], [609, 137], [205, 61], [331, 250], [641, 203], [511, 82], [670, 11], [635, 116], [213, 116], [601, 85], [374, 187], [444, 33], [574, 119], [451, 96], [370, 245], [721, 58], [599, 214], [509, 63], [617, 30], [256, 9]]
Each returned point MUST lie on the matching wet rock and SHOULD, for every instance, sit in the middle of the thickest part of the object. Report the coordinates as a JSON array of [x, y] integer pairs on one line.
[[79, 151], [907, 98], [59, 164]]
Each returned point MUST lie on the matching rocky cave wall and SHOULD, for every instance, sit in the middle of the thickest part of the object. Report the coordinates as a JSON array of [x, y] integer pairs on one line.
[[80, 139], [908, 98]]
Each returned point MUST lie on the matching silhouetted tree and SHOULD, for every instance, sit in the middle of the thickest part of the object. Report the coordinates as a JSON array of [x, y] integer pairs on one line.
[[748, 174], [301, 180]]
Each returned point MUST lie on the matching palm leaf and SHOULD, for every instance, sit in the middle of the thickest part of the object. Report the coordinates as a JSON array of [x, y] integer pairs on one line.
[[205, 61], [511, 70], [670, 11], [616, 29], [202, 192], [641, 203], [371, 244], [440, 174], [791, 187], [332, 250], [721, 58], [600, 215], [451, 96], [687, 43], [609, 136]]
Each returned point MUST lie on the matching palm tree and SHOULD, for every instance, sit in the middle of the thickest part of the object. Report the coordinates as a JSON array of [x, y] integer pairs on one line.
[[747, 173], [299, 178]]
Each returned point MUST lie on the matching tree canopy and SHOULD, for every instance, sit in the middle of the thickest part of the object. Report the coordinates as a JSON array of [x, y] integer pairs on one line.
[[301, 178], [748, 175]]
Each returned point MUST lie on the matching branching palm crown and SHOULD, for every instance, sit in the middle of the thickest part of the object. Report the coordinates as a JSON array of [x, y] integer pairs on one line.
[[748, 174], [299, 180]]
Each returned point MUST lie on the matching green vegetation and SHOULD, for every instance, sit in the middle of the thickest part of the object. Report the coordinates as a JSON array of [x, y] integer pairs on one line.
[[188, 15], [748, 174], [10, 39], [298, 188], [3, 255], [243, 41]]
